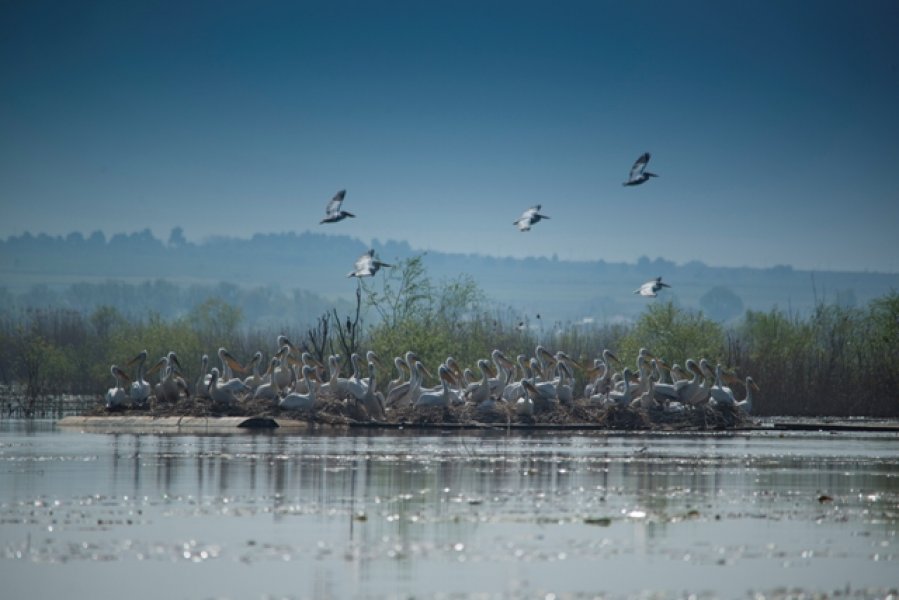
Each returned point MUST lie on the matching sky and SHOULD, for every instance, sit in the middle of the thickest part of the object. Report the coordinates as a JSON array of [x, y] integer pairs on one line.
[[773, 126]]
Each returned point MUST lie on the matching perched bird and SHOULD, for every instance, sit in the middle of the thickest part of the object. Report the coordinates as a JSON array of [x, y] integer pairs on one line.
[[332, 210], [651, 287], [638, 173], [528, 218], [116, 396], [367, 265]]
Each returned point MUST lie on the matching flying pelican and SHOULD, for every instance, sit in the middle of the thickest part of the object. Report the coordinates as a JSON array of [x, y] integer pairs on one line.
[[638, 173], [367, 265], [332, 210], [651, 287], [528, 218], [116, 396]]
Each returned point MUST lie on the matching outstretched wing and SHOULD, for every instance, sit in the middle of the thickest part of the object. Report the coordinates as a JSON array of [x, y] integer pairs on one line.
[[335, 202], [639, 166], [364, 263]]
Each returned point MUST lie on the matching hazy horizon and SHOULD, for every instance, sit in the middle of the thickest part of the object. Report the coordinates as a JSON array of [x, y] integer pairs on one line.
[[772, 127]]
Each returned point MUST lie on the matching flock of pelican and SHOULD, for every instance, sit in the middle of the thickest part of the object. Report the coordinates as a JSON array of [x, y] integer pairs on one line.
[[293, 380], [367, 264]]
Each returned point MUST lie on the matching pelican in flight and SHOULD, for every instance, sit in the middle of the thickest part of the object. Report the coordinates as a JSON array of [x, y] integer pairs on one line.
[[638, 173], [528, 218], [367, 265], [651, 287], [333, 212]]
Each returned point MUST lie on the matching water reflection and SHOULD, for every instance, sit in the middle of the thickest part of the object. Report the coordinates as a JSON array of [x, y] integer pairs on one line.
[[395, 513]]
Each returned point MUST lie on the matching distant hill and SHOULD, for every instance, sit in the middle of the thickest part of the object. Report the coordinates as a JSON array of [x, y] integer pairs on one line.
[[313, 267]]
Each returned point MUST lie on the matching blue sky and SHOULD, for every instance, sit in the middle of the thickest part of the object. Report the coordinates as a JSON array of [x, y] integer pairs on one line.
[[773, 125]]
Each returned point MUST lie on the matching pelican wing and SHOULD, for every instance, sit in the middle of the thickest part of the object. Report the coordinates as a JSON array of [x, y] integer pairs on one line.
[[335, 202], [639, 166], [365, 262]]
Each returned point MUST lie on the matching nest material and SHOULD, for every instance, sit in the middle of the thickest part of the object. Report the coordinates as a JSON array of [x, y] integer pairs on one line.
[[334, 411]]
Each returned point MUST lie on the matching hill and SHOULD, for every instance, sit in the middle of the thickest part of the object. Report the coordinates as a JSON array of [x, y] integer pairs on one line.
[[306, 273]]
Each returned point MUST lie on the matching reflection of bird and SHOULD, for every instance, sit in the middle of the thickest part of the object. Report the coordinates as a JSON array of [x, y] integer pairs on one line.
[[651, 287], [333, 212], [367, 265], [638, 173], [528, 218]]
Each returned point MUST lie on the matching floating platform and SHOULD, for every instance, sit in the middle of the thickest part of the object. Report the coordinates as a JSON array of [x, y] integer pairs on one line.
[[263, 423]]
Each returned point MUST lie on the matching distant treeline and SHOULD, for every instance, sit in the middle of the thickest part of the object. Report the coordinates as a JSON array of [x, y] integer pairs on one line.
[[261, 307], [837, 360], [317, 263]]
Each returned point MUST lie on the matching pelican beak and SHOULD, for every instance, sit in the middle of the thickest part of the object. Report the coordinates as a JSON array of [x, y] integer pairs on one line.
[[613, 357], [232, 362], [755, 386], [156, 367], [135, 359]]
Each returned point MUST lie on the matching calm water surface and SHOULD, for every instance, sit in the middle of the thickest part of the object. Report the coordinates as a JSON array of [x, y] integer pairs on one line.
[[459, 515]]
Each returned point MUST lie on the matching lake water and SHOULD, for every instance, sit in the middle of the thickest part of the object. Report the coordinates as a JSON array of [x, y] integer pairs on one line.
[[456, 515]]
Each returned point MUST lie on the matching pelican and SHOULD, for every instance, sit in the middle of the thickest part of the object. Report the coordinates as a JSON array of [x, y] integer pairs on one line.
[[332, 210], [528, 218], [371, 399], [201, 387], [220, 393], [720, 393], [298, 401], [638, 173], [437, 398], [140, 387], [255, 379], [479, 391], [116, 396], [623, 397], [367, 265], [746, 403], [272, 389], [651, 287], [400, 365]]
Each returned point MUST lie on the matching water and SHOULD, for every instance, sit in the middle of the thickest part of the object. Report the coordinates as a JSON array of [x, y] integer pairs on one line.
[[460, 515]]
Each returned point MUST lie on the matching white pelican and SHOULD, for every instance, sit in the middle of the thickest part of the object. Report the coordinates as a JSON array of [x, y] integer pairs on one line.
[[116, 396], [479, 391], [272, 389], [367, 265], [528, 218], [720, 393], [437, 398], [220, 393], [746, 403], [373, 400], [624, 396], [298, 401], [398, 396], [254, 380], [638, 173], [332, 210], [651, 287], [226, 375], [201, 387], [400, 365], [140, 388]]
